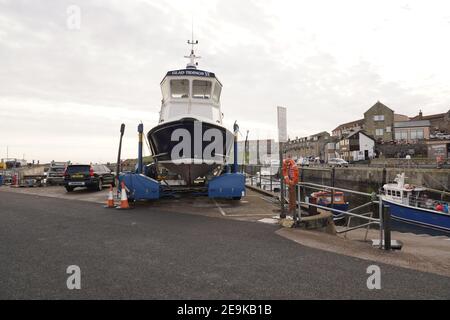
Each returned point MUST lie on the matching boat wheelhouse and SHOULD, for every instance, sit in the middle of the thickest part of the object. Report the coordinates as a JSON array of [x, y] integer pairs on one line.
[[191, 93], [408, 203], [190, 139]]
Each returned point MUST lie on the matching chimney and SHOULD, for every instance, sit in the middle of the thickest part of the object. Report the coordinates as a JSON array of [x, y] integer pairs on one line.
[[420, 114]]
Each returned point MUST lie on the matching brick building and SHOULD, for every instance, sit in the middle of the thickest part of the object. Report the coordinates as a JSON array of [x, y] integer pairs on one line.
[[379, 122], [347, 128], [313, 145], [412, 131], [439, 122]]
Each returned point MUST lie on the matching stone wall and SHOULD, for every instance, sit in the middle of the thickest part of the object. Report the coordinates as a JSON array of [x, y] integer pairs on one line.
[[401, 150], [432, 178]]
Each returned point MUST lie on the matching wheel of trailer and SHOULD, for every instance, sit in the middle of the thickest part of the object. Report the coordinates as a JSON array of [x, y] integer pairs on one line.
[[236, 198], [99, 185], [69, 189]]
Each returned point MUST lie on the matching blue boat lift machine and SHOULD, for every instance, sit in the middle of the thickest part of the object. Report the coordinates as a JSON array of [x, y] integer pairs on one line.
[[228, 185]]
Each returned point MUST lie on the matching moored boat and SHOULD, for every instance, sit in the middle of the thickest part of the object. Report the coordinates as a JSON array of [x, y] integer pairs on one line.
[[324, 198], [408, 203]]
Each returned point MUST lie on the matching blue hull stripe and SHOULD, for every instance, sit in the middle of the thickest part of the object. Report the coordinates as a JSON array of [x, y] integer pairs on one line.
[[424, 218]]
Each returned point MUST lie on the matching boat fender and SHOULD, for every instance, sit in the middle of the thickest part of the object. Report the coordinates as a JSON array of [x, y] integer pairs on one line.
[[290, 172]]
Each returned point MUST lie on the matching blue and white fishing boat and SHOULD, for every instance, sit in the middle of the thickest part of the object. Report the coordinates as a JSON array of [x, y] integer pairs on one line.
[[409, 204]]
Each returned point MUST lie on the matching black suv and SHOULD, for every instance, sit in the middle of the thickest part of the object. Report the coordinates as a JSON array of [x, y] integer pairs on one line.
[[93, 176]]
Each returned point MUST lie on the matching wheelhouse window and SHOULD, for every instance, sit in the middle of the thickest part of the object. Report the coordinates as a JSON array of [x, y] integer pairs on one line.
[[165, 90], [416, 134], [216, 93], [179, 88], [201, 89]]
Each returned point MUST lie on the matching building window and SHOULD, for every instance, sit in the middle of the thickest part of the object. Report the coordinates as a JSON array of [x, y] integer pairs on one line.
[[401, 135], [378, 117], [379, 132], [388, 129], [416, 134]]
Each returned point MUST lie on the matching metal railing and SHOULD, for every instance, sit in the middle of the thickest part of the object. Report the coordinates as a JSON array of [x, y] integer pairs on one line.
[[270, 183], [369, 216]]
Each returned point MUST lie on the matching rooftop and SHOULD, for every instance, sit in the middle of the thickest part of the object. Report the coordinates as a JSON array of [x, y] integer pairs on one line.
[[429, 117], [350, 124]]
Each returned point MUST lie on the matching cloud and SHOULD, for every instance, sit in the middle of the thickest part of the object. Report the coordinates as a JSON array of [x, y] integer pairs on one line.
[[64, 93]]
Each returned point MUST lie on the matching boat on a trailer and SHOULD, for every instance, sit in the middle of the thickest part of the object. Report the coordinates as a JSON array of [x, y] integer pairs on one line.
[[408, 203], [190, 139], [191, 148]]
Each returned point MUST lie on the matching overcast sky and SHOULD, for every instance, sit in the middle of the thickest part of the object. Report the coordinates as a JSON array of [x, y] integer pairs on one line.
[[65, 90]]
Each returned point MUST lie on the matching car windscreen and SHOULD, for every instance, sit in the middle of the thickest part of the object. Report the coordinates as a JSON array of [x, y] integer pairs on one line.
[[59, 170], [78, 169]]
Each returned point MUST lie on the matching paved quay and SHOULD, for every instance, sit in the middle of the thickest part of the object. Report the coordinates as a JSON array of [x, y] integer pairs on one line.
[[162, 252]]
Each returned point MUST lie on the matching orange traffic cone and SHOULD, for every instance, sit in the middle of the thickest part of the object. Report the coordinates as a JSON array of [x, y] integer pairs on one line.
[[123, 198], [110, 201]]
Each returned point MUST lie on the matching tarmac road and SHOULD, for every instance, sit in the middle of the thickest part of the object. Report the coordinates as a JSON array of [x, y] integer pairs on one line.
[[151, 254]]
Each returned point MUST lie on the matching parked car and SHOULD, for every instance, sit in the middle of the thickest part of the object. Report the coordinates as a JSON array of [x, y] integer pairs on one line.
[[90, 176], [337, 162], [54, 175], [441, 135], [303, 162]]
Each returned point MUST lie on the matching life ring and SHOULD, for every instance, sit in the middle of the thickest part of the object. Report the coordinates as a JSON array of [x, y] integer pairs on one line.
[[290, 172]]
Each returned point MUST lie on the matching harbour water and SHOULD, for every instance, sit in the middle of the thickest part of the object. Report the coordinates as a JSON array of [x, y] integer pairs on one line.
[[272, 183]]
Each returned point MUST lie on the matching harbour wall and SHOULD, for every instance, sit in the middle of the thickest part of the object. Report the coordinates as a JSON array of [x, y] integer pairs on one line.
[[432, 178]]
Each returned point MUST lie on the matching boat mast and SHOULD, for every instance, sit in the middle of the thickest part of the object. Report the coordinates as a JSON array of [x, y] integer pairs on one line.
[[192, 57]]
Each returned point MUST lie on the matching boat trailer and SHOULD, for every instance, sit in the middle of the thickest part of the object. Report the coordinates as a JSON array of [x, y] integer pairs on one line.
[[229, 185]]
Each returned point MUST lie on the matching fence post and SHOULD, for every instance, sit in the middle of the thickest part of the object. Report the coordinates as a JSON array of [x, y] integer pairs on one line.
[[333, 176], [380, 216], [260, 177], [298, 218], [387, 227], [271, 180]]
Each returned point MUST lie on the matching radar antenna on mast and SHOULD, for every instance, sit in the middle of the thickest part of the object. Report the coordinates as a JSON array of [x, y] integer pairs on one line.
[[192, 64]]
